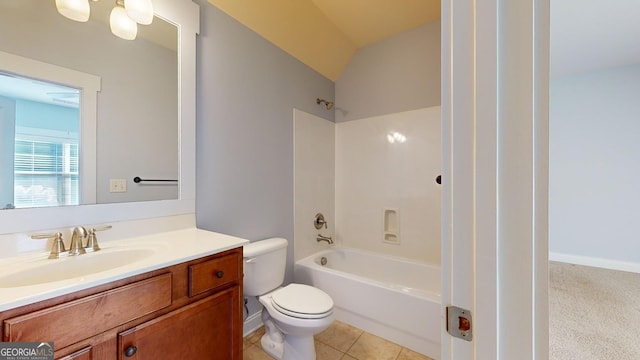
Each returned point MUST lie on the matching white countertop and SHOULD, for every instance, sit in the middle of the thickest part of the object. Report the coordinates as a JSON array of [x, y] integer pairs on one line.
[[163, 249]]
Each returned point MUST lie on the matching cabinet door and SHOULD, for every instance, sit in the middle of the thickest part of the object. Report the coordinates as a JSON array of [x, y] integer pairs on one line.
[[207, 329]]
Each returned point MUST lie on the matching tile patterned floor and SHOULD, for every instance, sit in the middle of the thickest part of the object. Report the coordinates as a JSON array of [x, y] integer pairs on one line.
[[340, 342]]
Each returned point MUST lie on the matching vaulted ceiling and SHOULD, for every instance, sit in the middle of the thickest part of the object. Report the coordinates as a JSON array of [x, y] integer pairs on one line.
[[324, 34]]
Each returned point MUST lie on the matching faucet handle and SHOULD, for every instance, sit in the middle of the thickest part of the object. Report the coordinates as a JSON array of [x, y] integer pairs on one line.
[[318, 221], [57, 248], [92, 240], [101, 228]]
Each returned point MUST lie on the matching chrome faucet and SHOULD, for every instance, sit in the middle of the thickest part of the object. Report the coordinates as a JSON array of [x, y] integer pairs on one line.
[[77, 237], [328, 239]]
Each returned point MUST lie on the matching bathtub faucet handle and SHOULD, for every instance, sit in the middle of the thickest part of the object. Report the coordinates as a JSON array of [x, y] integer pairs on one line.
[[318, 221]]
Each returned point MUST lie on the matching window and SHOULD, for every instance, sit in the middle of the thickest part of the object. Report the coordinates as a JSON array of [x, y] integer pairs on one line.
[[45, 171], [48, 89]]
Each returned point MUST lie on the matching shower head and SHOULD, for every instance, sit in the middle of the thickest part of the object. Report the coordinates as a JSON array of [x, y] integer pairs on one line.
[[327, 104]]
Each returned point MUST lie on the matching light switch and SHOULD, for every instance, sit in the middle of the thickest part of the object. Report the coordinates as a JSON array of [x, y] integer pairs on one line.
[[117, 185]]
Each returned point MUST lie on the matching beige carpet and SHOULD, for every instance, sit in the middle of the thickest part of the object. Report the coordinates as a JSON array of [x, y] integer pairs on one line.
[[594, 313]]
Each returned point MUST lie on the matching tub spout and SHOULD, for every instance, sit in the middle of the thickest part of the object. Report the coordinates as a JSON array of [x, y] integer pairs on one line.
[[328, 239]]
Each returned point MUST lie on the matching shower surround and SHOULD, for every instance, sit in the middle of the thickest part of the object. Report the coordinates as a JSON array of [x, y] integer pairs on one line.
[[361, 169], [390, 162], [352, 171]]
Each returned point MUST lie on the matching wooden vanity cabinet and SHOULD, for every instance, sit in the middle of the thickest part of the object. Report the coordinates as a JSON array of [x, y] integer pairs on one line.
[[196, 331], [191, 310]]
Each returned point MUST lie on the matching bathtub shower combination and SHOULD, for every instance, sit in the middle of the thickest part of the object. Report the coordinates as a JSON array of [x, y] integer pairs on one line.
[[395, 298]]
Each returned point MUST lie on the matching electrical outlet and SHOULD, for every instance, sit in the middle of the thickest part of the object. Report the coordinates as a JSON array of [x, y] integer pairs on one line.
[[117, 185]]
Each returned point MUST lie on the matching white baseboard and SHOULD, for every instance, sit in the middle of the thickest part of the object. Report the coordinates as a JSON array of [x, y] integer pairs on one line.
[[252, 323], [628, 266]]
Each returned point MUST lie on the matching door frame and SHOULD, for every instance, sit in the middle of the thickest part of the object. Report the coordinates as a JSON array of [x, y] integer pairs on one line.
[[495, 71]]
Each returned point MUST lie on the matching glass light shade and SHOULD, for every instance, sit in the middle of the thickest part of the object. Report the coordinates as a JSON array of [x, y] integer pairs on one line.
[[121, 24], [141, 11], [77, 10]]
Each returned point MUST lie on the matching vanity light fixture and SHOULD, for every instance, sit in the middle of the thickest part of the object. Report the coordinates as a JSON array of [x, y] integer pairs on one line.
[[121, 24], [77, 10], [124, 19], [140, 11]]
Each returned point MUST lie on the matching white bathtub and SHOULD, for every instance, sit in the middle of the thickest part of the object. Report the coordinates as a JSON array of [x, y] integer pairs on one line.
[[395, 298]]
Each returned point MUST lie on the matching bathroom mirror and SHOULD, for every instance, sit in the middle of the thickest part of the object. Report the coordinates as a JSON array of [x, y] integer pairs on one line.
[[183, 15], [135, 117]]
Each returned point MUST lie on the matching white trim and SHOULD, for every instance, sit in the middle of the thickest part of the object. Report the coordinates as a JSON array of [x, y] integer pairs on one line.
[[186, 15], [495, 171], [541, 45], [458, 142], [603, 263]]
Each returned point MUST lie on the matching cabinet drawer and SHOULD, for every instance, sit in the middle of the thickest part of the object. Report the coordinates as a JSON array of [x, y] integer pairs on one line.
[[80, 319], [82, 354], [213, 273]]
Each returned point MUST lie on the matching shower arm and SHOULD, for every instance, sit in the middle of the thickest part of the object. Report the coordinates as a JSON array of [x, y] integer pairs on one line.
[[327, 104]]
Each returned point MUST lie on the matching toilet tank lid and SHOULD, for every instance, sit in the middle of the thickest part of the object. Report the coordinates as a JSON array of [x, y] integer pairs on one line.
[[263, 246]]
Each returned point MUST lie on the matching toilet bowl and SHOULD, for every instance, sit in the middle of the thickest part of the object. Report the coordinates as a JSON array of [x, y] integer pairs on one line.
[[292, 314]]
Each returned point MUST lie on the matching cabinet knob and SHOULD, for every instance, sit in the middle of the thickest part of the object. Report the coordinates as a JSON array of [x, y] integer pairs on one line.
[[220, 274], [130, 351]]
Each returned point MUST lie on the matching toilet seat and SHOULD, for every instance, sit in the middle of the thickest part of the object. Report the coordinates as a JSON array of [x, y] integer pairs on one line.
[[302, 301]]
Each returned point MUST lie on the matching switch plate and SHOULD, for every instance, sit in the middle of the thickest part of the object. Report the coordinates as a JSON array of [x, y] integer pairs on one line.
[[117, 185]]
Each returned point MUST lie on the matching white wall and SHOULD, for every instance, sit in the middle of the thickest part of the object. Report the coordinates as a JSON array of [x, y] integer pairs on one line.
[[594, 212], [314, 181], [396, 74], [373, 174]]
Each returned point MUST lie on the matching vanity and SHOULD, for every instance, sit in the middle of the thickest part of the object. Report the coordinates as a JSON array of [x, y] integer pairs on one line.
[[181, 300]]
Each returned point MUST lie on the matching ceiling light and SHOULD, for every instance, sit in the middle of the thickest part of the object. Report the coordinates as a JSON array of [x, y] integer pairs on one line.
[[77, 10], [121, 24], [141, 11]]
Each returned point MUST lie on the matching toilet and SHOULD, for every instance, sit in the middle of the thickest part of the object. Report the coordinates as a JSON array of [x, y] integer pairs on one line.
[[292, 314]]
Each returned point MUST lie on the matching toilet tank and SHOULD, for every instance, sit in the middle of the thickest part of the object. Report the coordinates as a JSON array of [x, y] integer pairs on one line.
[[264, 265]]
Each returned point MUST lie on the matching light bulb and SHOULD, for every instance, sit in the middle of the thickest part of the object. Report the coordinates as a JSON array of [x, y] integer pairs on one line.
[[141, 11], [77, 10], [121, 25]]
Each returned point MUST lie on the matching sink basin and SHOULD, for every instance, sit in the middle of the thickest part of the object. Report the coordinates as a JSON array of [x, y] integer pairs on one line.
[[45, 271]]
